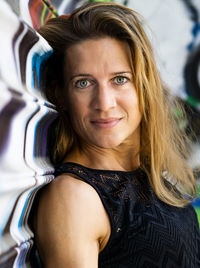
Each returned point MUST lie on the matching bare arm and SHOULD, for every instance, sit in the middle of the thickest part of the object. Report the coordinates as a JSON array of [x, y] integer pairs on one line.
[[71, 224]]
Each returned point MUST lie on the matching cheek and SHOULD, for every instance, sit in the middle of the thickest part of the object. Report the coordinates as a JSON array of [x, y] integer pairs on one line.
[[131, 102], [133, 109], [77, 110]]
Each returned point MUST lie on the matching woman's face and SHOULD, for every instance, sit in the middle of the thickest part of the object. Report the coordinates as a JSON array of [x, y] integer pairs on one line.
[[101, 97]]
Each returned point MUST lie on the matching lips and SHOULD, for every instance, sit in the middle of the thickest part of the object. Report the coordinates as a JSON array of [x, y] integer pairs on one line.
[[106, 122]]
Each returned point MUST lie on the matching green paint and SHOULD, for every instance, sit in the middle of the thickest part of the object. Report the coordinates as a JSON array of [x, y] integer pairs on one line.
[[197, 209], [51, 8], [193, 102], [43, 14], [177, 112]]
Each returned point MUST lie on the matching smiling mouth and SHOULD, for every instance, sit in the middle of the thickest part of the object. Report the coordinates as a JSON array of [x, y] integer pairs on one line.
[[106, 123]]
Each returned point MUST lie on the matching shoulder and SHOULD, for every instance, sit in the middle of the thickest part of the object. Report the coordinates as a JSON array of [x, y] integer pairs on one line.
[[71, 205], [69, 190], [68, 194], [70, 215]]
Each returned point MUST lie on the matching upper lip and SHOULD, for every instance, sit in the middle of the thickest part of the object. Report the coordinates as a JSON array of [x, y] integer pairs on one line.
[[105, 120]]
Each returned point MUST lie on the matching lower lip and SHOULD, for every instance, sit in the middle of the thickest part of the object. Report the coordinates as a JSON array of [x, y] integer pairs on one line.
[[106, 125]]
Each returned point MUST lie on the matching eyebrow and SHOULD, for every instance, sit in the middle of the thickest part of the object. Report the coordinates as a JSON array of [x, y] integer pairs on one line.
[[77, 75], [86, 75]]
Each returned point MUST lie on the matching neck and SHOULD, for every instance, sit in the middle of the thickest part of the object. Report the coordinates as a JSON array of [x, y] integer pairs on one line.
[[124, 157]]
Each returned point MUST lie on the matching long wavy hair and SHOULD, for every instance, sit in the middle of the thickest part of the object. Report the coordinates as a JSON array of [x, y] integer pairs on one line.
[[163, 149]]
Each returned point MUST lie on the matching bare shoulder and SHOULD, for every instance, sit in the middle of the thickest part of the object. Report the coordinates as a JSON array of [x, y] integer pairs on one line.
[[68, 196], [70, 212], [68, 192]]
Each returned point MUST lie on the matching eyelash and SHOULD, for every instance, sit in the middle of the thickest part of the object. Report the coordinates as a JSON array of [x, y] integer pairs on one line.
[[86, 80], [124, 77], [81, 80]]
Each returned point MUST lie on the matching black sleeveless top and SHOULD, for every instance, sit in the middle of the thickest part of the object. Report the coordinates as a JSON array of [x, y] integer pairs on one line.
[[145, 232]]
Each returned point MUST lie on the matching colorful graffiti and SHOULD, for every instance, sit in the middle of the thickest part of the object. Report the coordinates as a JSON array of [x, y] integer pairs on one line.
[[40, 13], [26, 115]]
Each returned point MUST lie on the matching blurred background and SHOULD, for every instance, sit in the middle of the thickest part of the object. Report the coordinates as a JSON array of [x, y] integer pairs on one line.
[[25, 114]]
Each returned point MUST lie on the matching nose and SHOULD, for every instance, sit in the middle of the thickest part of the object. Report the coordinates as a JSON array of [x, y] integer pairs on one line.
[[104, 98]]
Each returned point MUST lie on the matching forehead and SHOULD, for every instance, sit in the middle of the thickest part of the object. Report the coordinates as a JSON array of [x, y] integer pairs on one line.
[[104, 53]]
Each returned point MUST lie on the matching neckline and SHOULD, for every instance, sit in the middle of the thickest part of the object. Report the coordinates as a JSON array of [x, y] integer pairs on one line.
[[138, 170]]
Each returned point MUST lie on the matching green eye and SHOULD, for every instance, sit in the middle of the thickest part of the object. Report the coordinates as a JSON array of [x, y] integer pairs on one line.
[[120, 80], [82, 83]]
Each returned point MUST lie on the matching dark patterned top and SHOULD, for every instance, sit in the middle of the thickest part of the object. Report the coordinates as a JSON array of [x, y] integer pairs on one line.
[[145, 232]]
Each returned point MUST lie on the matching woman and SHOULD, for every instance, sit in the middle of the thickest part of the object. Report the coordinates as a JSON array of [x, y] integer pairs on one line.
[[122, 188]]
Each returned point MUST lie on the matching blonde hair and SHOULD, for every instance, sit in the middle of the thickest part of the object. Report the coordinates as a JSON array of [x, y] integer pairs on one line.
[[163, 146]]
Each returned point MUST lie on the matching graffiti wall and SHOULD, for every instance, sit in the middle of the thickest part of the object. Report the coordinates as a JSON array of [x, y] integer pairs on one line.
[[25, 114]]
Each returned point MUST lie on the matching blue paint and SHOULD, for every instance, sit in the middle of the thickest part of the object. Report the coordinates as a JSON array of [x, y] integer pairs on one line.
[[37, 62], [195, 33], [196, 203], [23, 210], [34, 143]]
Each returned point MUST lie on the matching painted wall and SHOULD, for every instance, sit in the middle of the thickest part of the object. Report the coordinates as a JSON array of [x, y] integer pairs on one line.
[[25, 114]]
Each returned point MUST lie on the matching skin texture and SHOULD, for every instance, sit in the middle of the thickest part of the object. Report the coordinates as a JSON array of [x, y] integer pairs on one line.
[[100, 88], [72, 224]]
